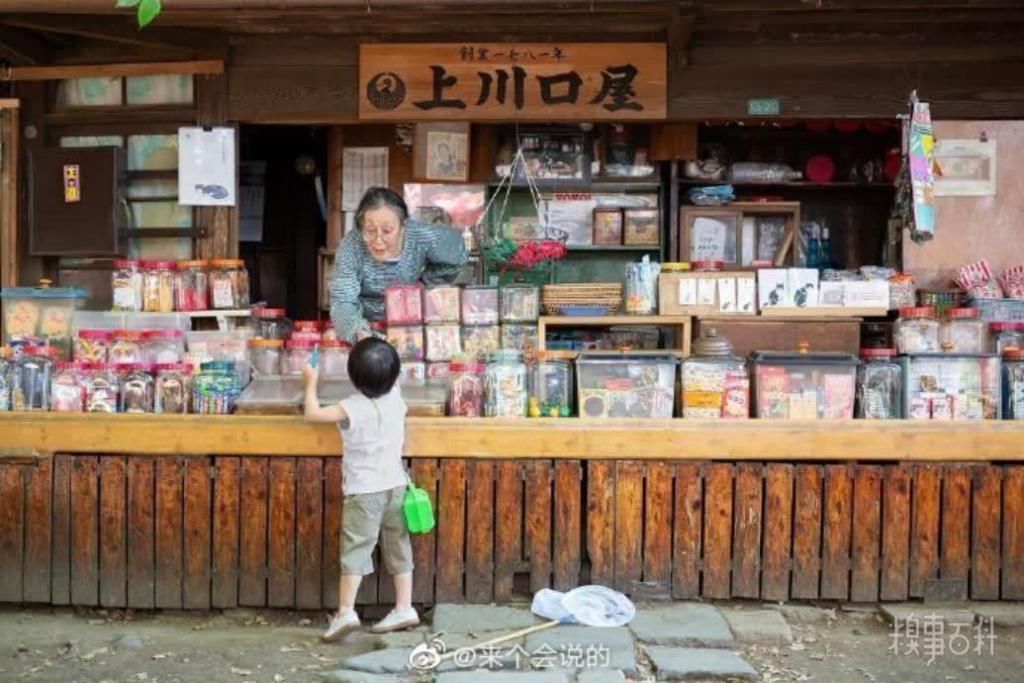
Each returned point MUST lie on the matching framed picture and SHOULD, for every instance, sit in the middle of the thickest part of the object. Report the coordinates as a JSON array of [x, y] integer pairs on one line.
[[607, 225], [441, 152], [641, 227]]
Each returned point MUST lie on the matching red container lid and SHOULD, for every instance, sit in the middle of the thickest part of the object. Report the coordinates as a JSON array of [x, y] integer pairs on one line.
[[163, 334], [70, 365], [47, 351], [963, 312], [306, 336], [97, 335], [877, 353], [306, 325], [160, 265], [173, 367], [820, 168], [301, 343], [1006, 326], [128, 335], [268, 312], [132, 367], [465, 366], [335, 344], [328, 325], [819, 125], [127, 263], [1013, 353], [917, 312]]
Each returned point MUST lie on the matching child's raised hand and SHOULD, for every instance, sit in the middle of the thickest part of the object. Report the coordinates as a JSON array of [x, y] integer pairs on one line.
[[310, 374]]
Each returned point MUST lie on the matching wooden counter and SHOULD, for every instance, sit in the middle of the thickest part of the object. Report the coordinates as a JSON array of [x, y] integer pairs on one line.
[[852, 440]]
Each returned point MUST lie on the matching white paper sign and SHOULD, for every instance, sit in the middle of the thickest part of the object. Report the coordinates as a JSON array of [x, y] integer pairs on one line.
[[207, 169], [968, 168], [687, 292], [361, 169], [708, 239], [746, 295], [727, 295], [706, 291]]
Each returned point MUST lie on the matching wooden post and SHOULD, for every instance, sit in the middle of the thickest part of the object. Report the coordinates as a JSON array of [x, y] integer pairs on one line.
[[221, 222], [335, 217], [9, 135]]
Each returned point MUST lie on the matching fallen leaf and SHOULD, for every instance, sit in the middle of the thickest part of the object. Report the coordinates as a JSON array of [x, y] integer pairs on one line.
[[162, 655], [240, 672], [95, 653]]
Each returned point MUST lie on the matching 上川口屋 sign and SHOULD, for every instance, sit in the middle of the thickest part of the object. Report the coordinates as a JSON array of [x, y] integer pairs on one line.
[[560, 82]]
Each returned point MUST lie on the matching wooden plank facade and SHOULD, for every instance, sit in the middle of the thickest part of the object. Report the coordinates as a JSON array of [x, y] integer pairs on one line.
[[163, 531]]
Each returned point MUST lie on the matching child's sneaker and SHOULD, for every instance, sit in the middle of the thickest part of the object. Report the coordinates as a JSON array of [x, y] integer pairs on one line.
[[340, 625], [396, 620]]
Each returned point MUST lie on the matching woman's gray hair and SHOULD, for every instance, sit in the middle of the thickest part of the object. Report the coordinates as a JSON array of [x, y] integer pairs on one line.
[[378, 198]]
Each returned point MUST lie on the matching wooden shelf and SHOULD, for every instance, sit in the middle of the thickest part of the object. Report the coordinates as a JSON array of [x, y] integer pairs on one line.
[[793, 312], [682, 324], [610, 185], [562, 354], [795, 184], [614, 247]]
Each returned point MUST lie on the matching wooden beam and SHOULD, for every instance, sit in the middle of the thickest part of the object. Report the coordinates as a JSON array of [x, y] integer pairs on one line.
[[335, 216], [9, 136], [104, 7], [49, 73], [22, 48], [117, 30]]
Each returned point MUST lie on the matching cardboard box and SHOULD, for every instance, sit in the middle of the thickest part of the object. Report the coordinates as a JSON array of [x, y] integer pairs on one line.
[[701, 293]]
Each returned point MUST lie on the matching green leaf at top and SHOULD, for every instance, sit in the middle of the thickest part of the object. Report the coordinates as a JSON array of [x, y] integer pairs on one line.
[[127, 3], [148, 11]]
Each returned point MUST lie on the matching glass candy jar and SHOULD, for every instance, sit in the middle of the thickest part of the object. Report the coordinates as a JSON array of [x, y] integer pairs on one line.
[[67, 390], [191, 290], [91, 346], [1006, 335], [126, 286], [550, 388], [172, 388], [465, 388], [505, 385], [102, 388], [271, 323], [127, 347], [297, 355], [215, 389], [229, 284], [163, 346], [30, 384], [266, 356], [715, 383], [158, 286], [6, 376], [1013, 384], [917, 331], [963, 331], [334, 358], [136, 387], [879, 385]]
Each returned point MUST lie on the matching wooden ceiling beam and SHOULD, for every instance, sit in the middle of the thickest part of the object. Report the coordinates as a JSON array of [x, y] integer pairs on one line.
[[22, 48], [172, 6], [709, 7], [112, 30]]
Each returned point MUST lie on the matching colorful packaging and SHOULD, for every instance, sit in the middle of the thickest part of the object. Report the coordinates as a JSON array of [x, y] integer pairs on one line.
[[407, 340], [441, 304], [443, 342], [404, 304], [480, 305]]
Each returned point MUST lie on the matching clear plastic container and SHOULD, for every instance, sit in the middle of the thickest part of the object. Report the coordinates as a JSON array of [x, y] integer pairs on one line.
[[172, 390], [441, 304], [403, 304], [550, 388], [413, 374], [505, 385], [215, 389], [963, 331], [30, 384], [879, 385], [917, 331], [1013, 384], [479, 305], [407, 340], [466, 389], [438, 373], [521, 338], [229, 284], [804, 386], [312, 329], [102, 388], [480, 341], [266, 356], [444, 342], [91, 346], [271, 323], [163, 346], [715, 383], [137, 387], [158, 286], [126, 286], [127, 347], [334, 358], [192, 286], [1007, 335], [37, 315], [947, 386], [297, 355], [329, 333], [67, 390], [6, 377], [520, 303], [624, 385]]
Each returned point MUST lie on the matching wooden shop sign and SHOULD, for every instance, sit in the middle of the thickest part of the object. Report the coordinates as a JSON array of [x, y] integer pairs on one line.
[[527, 82]]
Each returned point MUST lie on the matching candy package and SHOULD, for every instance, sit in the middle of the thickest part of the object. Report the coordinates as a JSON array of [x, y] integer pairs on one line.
[[977, 280], [403, 304], [443, 342], [480, 305], [437, 373], [1012, 281], [412, 374], [407, 340], [480, 341], [520, 303], [522, 338], [441, 304]]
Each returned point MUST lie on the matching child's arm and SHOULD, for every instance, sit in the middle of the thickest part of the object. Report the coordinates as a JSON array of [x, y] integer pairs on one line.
[[313, 411]]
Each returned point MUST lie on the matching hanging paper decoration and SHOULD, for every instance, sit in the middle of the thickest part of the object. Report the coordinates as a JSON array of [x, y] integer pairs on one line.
[[922, 175]]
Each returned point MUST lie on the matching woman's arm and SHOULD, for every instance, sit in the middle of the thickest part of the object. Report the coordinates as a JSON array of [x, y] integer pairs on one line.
[[346, 309], [445, 255], [313, 411]]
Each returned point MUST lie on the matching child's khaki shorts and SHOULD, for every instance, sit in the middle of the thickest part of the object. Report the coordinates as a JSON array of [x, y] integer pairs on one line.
[[367, 517]]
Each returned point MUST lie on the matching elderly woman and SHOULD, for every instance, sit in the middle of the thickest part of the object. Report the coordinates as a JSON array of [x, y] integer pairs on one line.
[[387, 248]]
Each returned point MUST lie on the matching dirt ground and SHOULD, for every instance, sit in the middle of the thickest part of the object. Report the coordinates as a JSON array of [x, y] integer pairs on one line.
[[273, 647]]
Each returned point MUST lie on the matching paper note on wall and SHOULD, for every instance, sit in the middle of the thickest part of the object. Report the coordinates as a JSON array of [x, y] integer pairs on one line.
[[206, 167], [708, 239]]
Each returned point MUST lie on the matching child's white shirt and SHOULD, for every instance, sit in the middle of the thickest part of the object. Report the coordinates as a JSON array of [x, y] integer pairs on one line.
[[373, 443]]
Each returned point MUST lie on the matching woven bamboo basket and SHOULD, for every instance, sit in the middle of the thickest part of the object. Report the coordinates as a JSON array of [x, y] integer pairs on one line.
[[555, 298]]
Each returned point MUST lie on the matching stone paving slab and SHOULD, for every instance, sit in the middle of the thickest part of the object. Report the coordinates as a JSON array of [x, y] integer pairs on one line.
[[484, 676], [563, 643], [685, 624], [804, 614], [1004, 615], [761, 626], [704, 664], [601, 676], [349, 676], [920, 612], [480, 618]]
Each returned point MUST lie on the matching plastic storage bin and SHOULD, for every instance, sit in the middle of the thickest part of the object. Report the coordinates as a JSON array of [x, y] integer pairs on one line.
[[40, 313], [163, 346], [215, 388], [441, 304], [67, 391], [192, 286], [30, 380], [624, 385], [947, 386], [999, 310], [136, 388], [963, 331], [879, 385], [550, 387], [479, 305], [715, 382], [172, 390], [444, 342], [480, 341], [91, 346], [520, 303], [127, 347], [266, 356], [407, 340], [917, 331], [1006, 335], [403, 304], [102, 389], [271, 323], [413, 374], [297, 355], [505, 392], [1013, 384], [801, 385], [334, 358], [466, 389]]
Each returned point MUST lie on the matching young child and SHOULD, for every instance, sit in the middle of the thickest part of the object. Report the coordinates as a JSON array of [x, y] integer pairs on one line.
[[372, 424]]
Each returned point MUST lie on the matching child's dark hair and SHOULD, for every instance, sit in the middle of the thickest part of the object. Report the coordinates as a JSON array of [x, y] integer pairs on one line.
[[373, 367]]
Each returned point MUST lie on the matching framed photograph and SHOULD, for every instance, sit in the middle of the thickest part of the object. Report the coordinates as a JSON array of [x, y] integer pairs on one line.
[[441, 152], [966, 168], [641, 227], [607, 226]]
